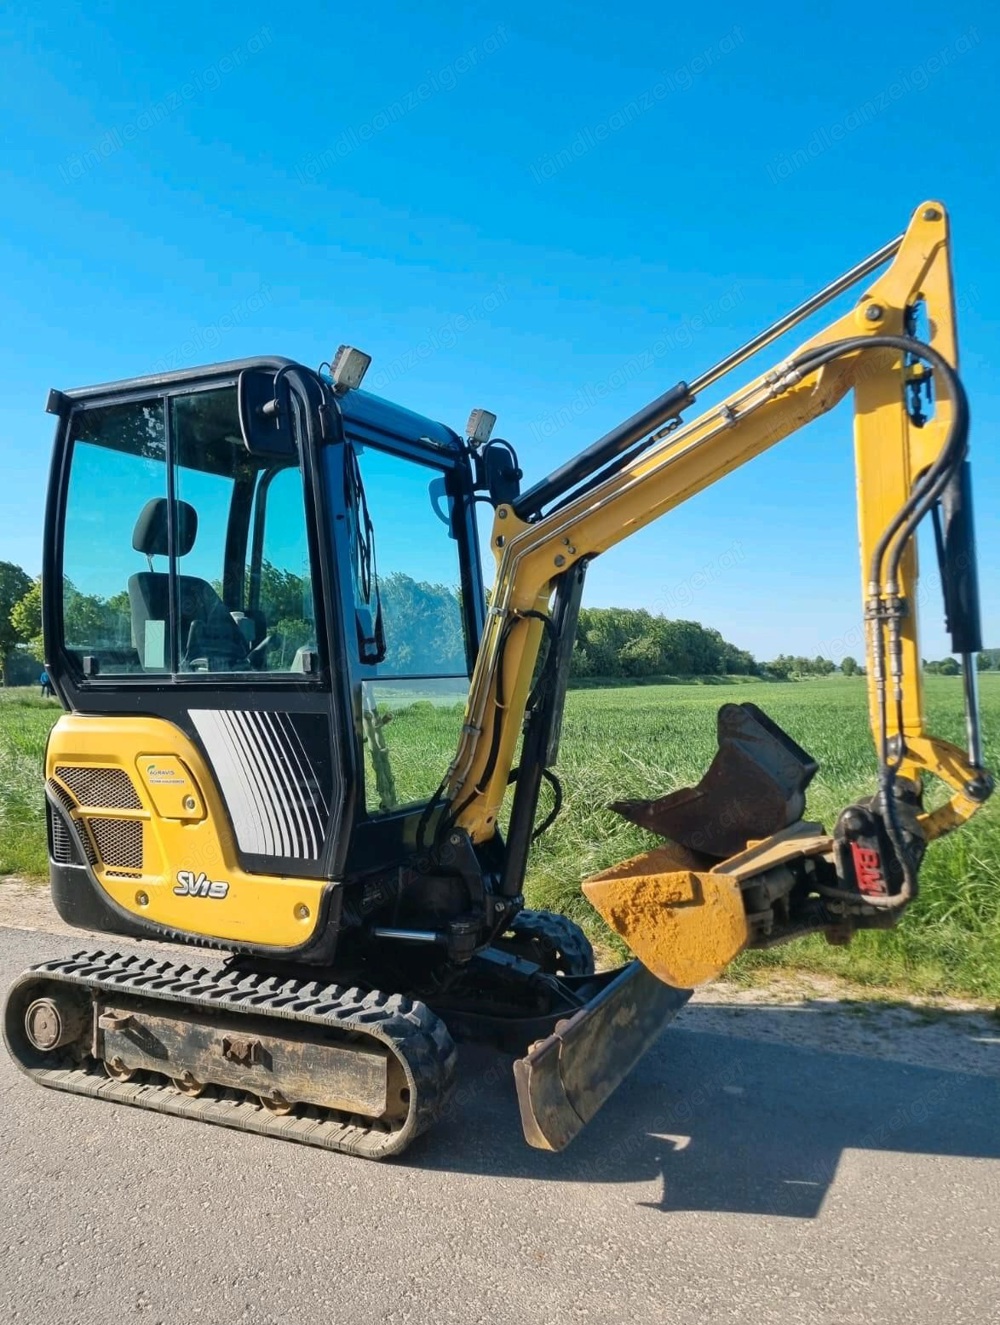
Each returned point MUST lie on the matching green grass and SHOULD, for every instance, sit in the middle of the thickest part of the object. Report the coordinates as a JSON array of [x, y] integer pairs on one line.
[[25, 720], [644, 741]]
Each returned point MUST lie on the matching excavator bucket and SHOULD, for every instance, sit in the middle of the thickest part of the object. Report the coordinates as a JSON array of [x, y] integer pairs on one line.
[[755, 786], [684, 922], [679, 908]]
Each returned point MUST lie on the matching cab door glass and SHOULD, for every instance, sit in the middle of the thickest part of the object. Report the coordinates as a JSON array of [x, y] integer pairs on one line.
[[244, 586], [213, 474], [414, 691], [118, 467]]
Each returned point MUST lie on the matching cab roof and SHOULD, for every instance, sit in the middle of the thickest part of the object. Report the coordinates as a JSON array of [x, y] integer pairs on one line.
[[368, 413]]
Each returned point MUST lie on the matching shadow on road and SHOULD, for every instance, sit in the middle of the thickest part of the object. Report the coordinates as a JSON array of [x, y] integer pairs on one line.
[[728, 1124]]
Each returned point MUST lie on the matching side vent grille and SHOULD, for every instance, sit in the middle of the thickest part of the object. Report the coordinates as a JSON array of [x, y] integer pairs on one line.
[[60, 794], [119, 842], [106, 788], [62, 846]]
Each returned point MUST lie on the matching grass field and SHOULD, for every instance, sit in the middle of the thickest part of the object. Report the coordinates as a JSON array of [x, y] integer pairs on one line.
[[644, 741], [25, 720]]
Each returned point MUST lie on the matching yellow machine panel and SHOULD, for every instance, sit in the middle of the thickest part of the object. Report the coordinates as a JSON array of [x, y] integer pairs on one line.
[[158, 836], [170, 787]]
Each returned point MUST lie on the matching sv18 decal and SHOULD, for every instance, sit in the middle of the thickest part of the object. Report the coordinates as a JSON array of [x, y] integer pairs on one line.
[[190, 884]]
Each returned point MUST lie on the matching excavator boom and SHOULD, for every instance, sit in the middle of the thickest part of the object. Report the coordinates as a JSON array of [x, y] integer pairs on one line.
[[869, 350]]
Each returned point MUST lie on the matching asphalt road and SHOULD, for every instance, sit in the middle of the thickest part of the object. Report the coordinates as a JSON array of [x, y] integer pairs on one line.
[[728, 1180]]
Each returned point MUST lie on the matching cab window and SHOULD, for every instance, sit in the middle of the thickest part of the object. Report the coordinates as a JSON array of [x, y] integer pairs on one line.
[[410, 618], [181, 552]]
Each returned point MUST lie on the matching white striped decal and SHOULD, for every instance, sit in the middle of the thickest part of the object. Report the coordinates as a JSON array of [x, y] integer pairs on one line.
[[267, 781], [270, 805]]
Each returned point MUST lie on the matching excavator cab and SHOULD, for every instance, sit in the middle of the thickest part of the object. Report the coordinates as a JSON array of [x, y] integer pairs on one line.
[[297, 591]]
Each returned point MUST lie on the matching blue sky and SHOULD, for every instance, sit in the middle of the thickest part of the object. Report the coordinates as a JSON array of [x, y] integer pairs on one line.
[[462, 194]]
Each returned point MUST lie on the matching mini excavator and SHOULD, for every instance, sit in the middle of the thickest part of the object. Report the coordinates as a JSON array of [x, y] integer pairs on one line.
[[297, 730]]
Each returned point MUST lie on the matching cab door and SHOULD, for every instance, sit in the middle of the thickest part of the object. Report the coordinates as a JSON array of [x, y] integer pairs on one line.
[[184, 581]]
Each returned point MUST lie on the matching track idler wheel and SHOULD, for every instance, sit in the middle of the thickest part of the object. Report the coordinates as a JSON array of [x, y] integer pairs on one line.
[[50, 1024]]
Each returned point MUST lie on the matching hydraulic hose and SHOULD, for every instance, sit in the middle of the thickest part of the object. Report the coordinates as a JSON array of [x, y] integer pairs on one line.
[[892, 544]]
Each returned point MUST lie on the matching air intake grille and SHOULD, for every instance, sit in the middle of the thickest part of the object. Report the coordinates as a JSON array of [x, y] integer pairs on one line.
[[110, 787], [61, 794], [60, 833], [62, 847], [119, 842]]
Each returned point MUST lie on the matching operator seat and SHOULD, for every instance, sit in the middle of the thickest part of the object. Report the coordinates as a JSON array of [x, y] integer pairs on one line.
[[210, 640]]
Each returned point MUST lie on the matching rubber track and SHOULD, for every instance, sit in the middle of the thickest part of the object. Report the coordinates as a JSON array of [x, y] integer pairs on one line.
[[418, 1038], [562, 934]]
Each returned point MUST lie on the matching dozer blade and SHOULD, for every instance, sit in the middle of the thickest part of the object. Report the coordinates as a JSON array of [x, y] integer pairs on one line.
[[754, 786], [565, 1078], [683, 922]]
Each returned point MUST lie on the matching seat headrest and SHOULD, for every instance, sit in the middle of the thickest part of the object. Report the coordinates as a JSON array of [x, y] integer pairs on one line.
[[150, 533]]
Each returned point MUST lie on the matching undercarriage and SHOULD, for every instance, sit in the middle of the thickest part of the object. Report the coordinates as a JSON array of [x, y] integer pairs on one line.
[[353, 1069]]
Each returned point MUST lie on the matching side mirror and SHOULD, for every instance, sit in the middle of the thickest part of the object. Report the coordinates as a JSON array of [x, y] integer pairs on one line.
[[501, 473], [265, 415]]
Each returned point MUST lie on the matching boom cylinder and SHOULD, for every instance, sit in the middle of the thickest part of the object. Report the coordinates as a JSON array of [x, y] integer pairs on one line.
[[614, 443]]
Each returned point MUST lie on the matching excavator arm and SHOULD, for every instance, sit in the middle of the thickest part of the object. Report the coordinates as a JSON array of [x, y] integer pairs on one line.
[[741, 866]]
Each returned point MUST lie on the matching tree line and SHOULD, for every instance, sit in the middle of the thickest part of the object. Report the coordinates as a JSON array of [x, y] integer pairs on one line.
[[624, 642], [424, 633], [986, 661]]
